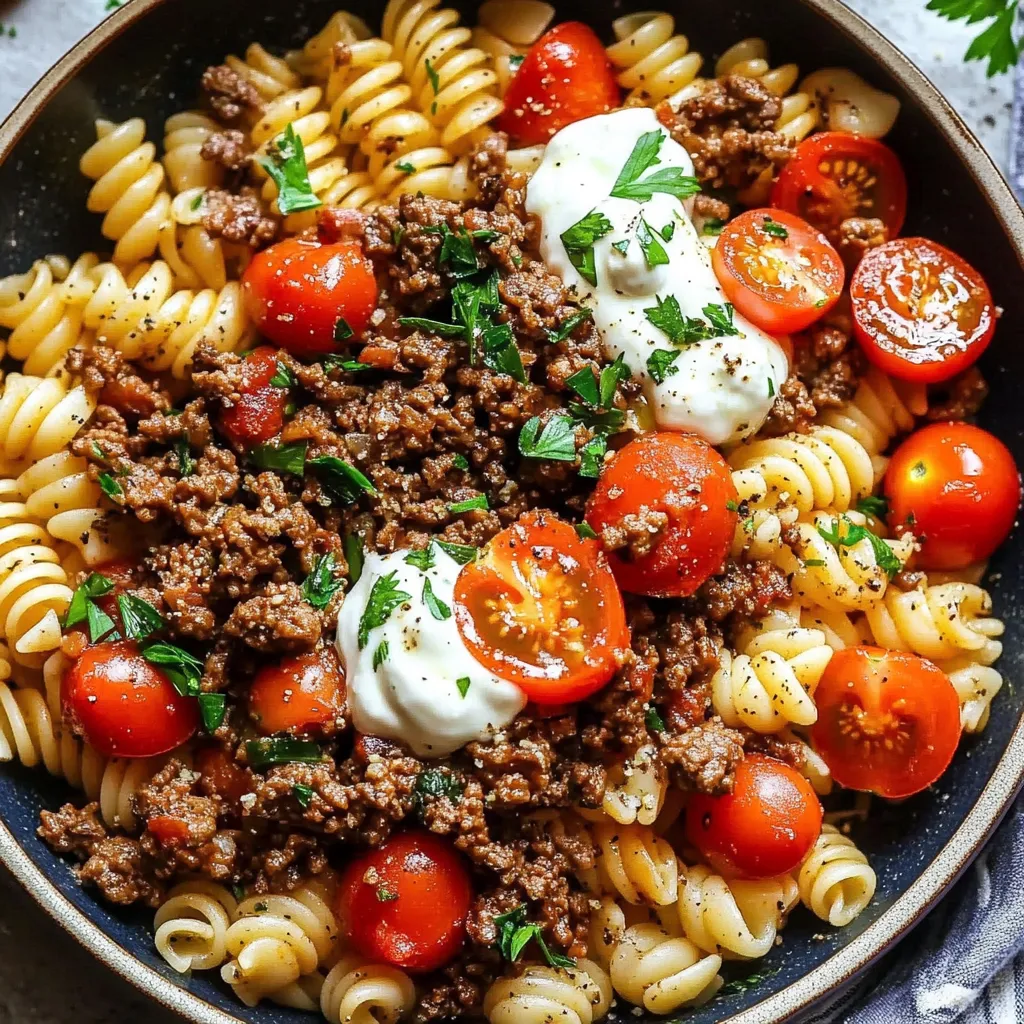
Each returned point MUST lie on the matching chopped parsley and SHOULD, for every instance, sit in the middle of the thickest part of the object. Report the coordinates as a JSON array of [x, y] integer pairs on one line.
[[585, 531], [109, 486], [380, 655], [320, 586], [281, 750], [461, 553], [460, 461], [435, 83], [197, 201], [385, 895], [685, 330], [282, 458], [501, 353], [592, 457], [457, 252], [211, 710], [653, 720], [433, 326], [661, 364], [555, 440], [186, 464], [731, 506], [579, 240], [469, 505], [670, 180], [353, 545], [436, 606], [771, 388], [183, 669], [95, 586], [876, 505], [515, 932], [621, 246], [283, 377], [463, 684], [854, 533], [139, 617], [405, 167], [668, 231], [434, 784], [568, 326], [654, 252], [333, 361], [774, 228], [422, 559], [384, 598], [303, 794], [743, 984], [285, 162], [342, 330], [712, 227], [515, 60], [340, 481]]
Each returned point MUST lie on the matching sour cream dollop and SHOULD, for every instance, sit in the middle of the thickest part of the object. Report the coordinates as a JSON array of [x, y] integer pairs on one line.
[[412, 678], [722, 388]]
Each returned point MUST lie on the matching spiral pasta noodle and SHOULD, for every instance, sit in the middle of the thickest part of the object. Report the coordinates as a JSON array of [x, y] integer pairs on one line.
[[268, 75], [192, 924], [357, 991], [318, 55], [506, 29], [652, 61], [635, 791], [766, 514], [846, 103], [577, 995], [835, 880], [185, 134]]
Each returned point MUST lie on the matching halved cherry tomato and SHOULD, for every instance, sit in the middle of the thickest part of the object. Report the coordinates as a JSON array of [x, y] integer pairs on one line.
[[958, 488], [836, 175], [565, 77], [170, 830], [777, 270], [888, 721], [258, 415], [405, 903], [683, 478], [301, 693], [221, 775], [920, 312], [308, 297], [764, 827], [123, 705], [540, 608]]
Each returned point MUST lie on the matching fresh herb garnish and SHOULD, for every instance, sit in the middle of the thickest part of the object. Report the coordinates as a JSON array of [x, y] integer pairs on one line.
[[654, 252], [579, 240], [854, 533], [555, 440], [283, 377], [457, 252], [515, 60], [568, 326], [282, 458], [661, 364], [197, 201], [285, 162], [459, 461], [743, 984], [183, 669], [433, 326], [384, 598], [461, 553], [437, 607], [434, 784], [321, 584], [621, 246], [712, 226], [469, 505], [342, 330], [281, 750], [405, 167], [685, 330], [668, 231], [385, 895], [515, 932], [732, 506], [584, 383], [592, 457], [353, 545], [501, 353], [186, 464], [670, 180], [876, 505], [109, 486], [95, 586], [140, 618], [774, 228], [435, 83], [303, 794], [996, 42], [422, 559], [340, 481], [653, 720], [211, 710], [380, 655], [585, 531], [771, 388], [463, 684]]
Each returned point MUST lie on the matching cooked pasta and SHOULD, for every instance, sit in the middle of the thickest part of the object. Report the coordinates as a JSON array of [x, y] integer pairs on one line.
[[653, 62], [268, 75], [184, 137], [192, 924], [538, 995], [846, 103], [359, 992], [506, 29], [631, 861], [836, 881], [636, 790]]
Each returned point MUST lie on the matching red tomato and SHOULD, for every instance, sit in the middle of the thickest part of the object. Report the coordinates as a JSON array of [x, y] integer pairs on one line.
[[221, 774], [540, 608], [298, 293], [888, 721], [764, 827], [777, 270], [683, 477], [169, 830], [958, 487], [301, 693], [123, 705], [259, 414], [405, 903], [835, 175], [565, 77], [920, 312]]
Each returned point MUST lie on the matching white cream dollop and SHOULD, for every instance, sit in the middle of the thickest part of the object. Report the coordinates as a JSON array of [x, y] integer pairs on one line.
[[413, 692], [722, 388]]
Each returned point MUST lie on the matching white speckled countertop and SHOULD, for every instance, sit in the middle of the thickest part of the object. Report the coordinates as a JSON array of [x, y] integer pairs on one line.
[[45, 978]]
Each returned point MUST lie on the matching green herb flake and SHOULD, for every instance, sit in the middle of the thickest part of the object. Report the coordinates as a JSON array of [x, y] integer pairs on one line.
[[469, 505], [283, 377], [460, 461], [668, 231], [876, 505], [515, 61], [435, 605], [457, 253], [281, 750], [423, 559], [501, 353], [283, 458], [303, 794], [774, 228], [661, 364], [668, 317], [592, 457], [101, 625], [554, 440], [385, 895], [712, 227], [585, 531], [853, 534], [340, 481], [380, 655], [211, 709], [432, 75], [461, 553], [433, 326], [353, 545], [654, 252], [653, 720], [585, 384], [405, 167], [463, 684], [515, 933], [183, 669], [110, 487], [621, 246], [669, 180], [285, 162], [771, 388], [342, 330], [435, 784], [320, 586], [385, 597], [95, 586], [579, 240], [186, 464], [197, 201], [139, 617], [98, 453], [568, 326]]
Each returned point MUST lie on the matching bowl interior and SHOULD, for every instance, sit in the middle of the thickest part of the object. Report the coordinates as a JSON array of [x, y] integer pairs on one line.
[[153, 69]]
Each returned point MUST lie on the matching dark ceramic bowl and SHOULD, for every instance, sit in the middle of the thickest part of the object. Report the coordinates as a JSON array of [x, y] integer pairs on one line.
[[146, 60]]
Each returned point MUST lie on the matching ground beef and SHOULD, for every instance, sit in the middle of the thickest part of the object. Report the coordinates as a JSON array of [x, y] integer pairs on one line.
[[704, 757], [858, 234], [228, 149], [229, 95], [743, 591], [277, 621], [239, 217], [959, 398], [636, 534], [710, 208]]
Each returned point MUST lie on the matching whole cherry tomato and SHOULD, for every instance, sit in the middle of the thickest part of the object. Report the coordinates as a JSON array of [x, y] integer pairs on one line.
[[777, 270], [541, 608], [405, 902], [123, 705], [958, 488], [258, 415], [888, 721], [301, 693], [681, 482], [920, 312], [310, 298], [764, 827], [565, 77]]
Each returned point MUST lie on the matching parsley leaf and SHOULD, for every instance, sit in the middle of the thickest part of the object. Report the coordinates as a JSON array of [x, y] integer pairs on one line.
[[501, 353], [653, 720], [109, 486], [342, 330], [186, 464], [720, 318], [101, 625], [685, 330], [610, 377], [321, 584], [743, 984], [437, 607], [771, 388], [592, 457], [642, 158], [283, 458], [457, 252], [281, 750], [556, 440], [435, 83], [342, 483], [433, 326], [876, 505], [774, 228], [660, 364], [461, 553], [183, 669], [423, 559], [211, 710], [654, 252], [384, 598], [433, 784], [568, 326], [887, 560], [459, 461], [380, 655], [333, 361], [283, 377], [584, 383], [303, 794], [712, 226], [585, 531], [996, 42], [469, 505], [285, 162], [579, 240], [140, 618], [353, 545], [95, 586], [463, 683], [670, 180], [515, 932], [405, 167]]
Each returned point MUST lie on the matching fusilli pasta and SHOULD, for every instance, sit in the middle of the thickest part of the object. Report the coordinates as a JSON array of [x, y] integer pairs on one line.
[[359, 992], [192, 924], [835, 880], [539, 995]]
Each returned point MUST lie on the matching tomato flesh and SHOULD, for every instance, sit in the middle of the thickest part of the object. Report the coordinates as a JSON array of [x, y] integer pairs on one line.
[[681, 479], [405, 902], [777, 270], [888, 721], [221, 775], [920, 312], [565, 77], [298, 293], [958, 488], [764, 827], [258, 415], [123, 705], [835, 175], [540, 608], [301, 693]]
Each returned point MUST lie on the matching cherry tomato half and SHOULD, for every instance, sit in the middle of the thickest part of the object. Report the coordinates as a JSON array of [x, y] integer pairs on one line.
[[777, 270], [301, 693], [836, 175], [307, 297], [123, 705], [958, 487], [405, 903], [540, 607], [258, 415], [764, 827], [683, 478], [920, 312], [888, 721], [565, 77], [221, 774]]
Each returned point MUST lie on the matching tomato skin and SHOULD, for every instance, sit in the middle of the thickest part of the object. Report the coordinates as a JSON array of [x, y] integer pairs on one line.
[[412, 910], [295, 291], [817, 183], [684, 477], [757, 270], [123, 705], [169, 830], [258, 415], [920, 312], [301, 693], [888, 721], [221, 775], [565, 77], [540, 608], [959, 488], [764, 827]]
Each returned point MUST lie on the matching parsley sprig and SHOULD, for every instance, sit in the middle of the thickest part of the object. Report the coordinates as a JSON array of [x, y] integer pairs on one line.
[[996, 43], [670, 180], [285, 162], [322, 583], [844, 533], [385, 597], [668, 317], [515, 932]]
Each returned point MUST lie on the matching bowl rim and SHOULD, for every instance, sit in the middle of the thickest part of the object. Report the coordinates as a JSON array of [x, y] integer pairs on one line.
[[963, 846]]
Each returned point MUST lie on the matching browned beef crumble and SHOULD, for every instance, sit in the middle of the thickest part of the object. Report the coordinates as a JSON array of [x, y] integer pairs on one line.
[[229, 95], [959, 398], [227, 148], [240, 217]]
